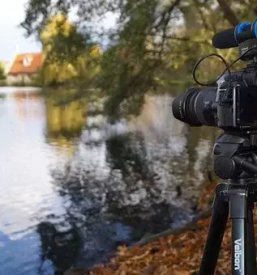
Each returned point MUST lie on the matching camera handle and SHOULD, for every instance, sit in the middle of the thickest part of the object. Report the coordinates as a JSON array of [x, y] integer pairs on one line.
[[234, 159]]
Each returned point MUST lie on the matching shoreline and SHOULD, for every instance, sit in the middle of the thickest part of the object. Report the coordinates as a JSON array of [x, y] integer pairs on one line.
[[167, 252]]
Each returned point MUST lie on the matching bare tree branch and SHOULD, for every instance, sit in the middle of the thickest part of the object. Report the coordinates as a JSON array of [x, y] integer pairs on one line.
[[228, 13]]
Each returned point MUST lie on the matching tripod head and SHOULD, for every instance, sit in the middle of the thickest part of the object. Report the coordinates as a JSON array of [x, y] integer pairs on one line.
[[235, 155]]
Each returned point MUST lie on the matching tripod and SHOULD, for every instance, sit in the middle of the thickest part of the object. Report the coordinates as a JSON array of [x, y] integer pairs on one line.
[[235, 160]]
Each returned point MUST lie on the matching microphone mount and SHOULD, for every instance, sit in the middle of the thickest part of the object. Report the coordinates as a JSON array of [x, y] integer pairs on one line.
[[245, 46]]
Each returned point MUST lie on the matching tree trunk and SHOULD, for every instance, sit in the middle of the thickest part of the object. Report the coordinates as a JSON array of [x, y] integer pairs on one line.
[[228, 13], [255, 10]]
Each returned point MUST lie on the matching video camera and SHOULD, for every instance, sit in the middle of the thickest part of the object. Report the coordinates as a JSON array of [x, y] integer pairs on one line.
[[231, 102]]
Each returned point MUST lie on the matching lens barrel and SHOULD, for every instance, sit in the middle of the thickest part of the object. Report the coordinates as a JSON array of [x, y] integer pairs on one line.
[[195, 106]]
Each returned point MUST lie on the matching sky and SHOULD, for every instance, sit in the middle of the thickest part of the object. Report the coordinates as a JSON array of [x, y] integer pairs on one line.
[[11, 36]]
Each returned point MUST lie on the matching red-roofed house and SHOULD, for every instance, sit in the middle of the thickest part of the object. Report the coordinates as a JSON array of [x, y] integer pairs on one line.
[[24, 67]]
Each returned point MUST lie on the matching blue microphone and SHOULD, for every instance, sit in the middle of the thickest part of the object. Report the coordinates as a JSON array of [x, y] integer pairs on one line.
[[232, 37]]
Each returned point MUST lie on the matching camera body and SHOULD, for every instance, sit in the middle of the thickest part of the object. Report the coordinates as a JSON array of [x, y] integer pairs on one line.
[[235, 107]]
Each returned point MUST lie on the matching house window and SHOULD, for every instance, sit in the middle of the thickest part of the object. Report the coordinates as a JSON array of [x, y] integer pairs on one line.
[[27, 60]]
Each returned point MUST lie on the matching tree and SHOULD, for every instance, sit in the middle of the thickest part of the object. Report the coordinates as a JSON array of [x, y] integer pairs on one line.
[[68, 55], [2, 71], [62, 47], [151, 36]]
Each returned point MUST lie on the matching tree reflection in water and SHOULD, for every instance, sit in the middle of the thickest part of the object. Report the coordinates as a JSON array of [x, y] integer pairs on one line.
[[61, 248], [123, 181]]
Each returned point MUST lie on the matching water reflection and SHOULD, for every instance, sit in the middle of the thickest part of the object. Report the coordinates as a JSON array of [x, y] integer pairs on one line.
[[25, 181], [82, 186], [66, 120], [29, 105], [59, 249], [129, 178], [63, 122]]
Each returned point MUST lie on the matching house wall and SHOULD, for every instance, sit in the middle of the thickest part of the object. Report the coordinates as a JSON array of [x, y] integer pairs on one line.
[[20, 78]]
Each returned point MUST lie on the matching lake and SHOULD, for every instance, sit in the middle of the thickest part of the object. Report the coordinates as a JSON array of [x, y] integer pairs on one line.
[[74, 186]]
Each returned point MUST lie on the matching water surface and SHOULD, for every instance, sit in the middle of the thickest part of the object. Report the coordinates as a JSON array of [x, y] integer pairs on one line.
[[74, 186]]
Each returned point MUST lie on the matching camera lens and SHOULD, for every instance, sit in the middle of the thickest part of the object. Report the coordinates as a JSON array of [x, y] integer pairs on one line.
[[195, 107]]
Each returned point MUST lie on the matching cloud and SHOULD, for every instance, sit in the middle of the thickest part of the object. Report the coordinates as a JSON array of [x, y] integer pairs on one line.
[[11, 36]]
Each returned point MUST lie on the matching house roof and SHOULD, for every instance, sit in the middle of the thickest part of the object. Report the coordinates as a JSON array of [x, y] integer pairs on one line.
[[27, 63]]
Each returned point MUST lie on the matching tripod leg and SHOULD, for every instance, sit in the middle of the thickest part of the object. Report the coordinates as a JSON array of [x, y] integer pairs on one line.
[[243, 244], [251, 250], [216, 232]]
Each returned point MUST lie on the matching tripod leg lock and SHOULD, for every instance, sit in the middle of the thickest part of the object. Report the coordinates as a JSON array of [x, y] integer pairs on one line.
[[238, 203]]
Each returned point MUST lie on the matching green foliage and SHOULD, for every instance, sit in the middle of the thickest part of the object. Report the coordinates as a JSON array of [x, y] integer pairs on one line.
[[66, 51], [155, 42], [2, 71]]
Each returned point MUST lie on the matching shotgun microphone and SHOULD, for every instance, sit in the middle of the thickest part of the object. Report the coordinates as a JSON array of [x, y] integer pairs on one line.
[[232, 37]]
